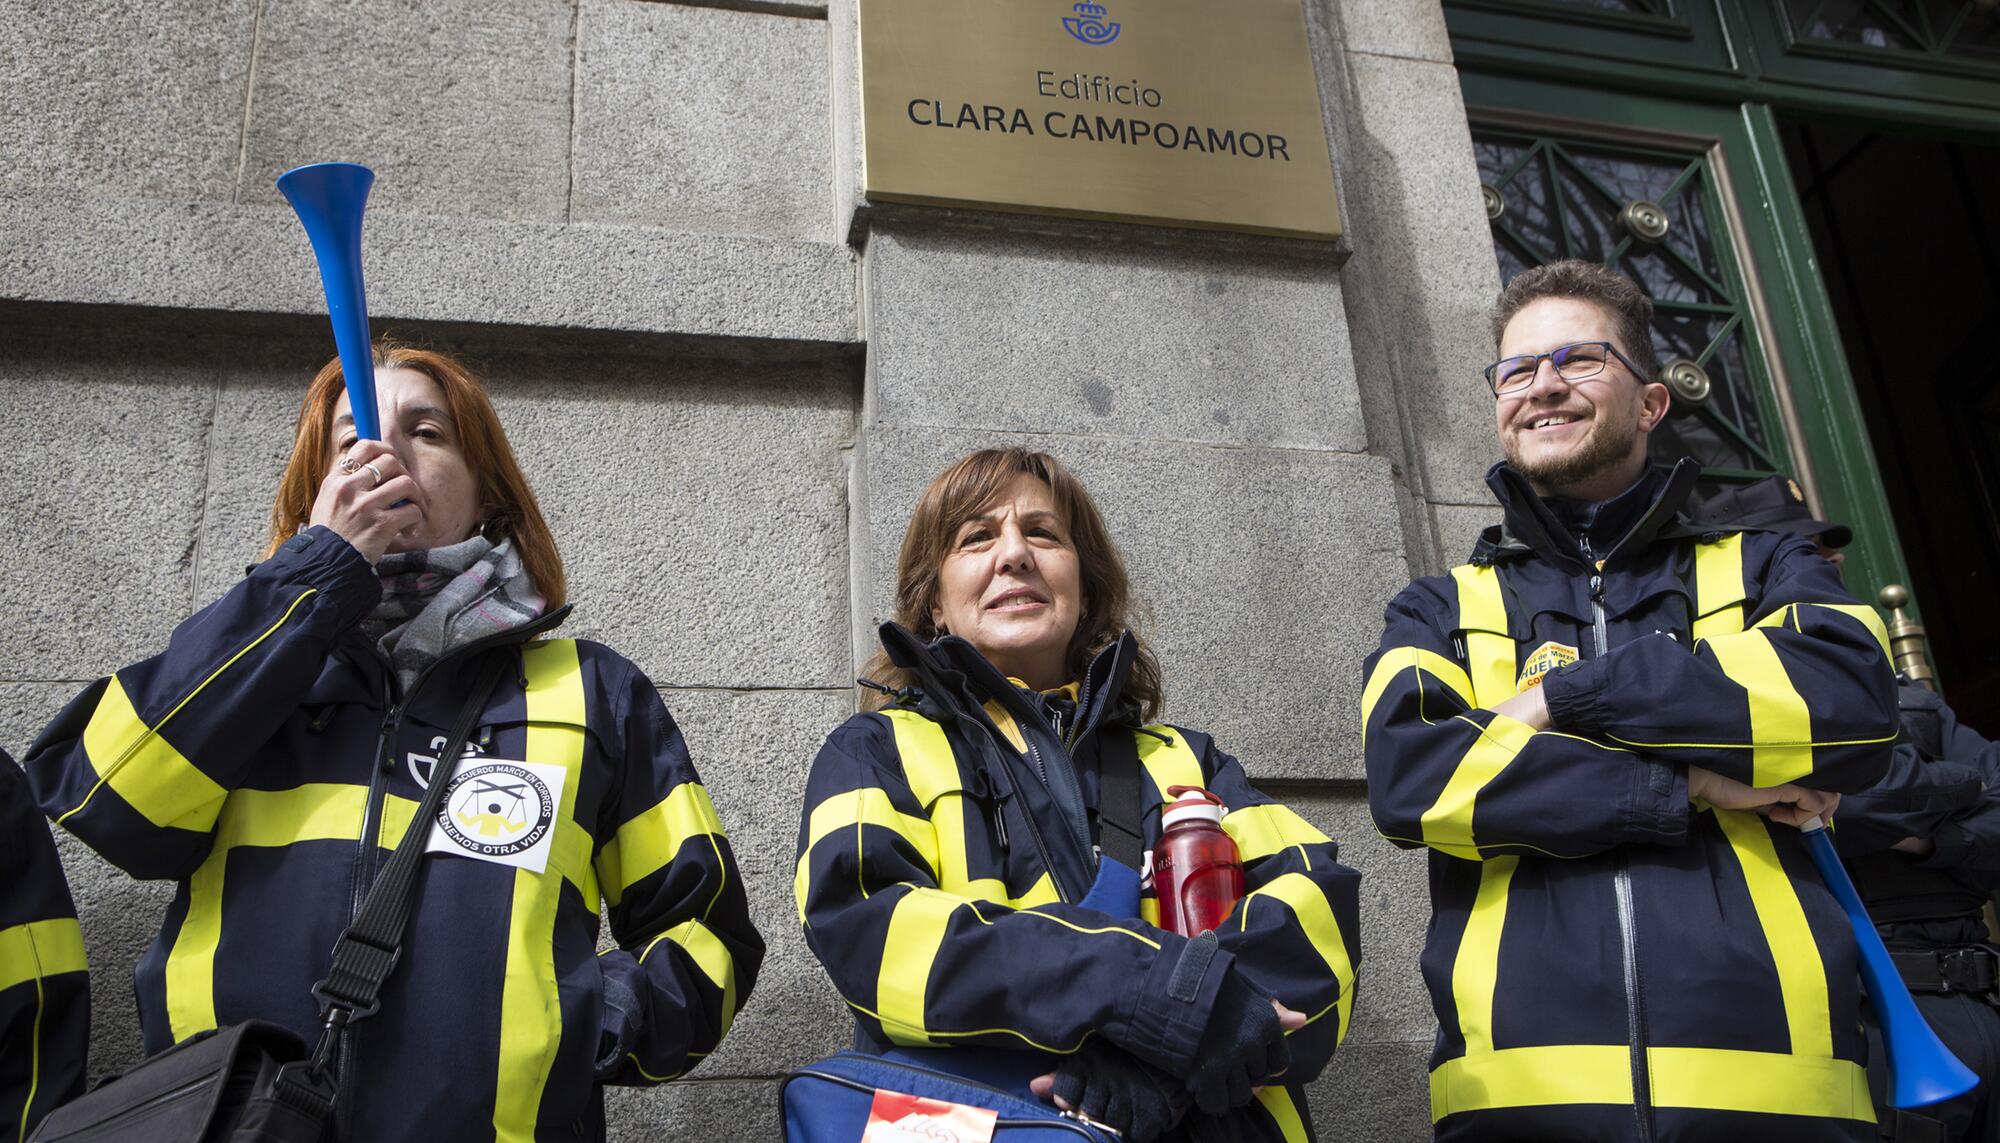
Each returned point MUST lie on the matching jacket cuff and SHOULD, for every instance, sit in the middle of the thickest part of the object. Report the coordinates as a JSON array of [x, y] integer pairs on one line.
[[1952, 847], [1571, 692], [1166, 1007], [321, 558], [1660, 808]]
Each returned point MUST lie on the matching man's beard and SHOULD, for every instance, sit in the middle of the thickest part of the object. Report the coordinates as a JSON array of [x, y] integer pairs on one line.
[[1605, 447]]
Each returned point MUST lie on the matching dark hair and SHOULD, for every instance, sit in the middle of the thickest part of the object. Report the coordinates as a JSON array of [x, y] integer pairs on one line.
[[960, 493], [1617, 294], [507, 506]]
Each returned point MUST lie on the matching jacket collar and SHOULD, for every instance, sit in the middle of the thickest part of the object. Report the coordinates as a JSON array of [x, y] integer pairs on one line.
[[955, 680], [1650, 509]]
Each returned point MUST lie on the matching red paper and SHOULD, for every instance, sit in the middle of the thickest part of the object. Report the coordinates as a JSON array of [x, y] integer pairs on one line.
[[899, 1118]]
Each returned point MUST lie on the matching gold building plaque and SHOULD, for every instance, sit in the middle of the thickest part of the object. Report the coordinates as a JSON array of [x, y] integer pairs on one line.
[[1201, 113]]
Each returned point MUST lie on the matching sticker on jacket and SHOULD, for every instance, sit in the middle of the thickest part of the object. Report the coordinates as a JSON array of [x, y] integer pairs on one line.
[[898, 1118], [1547, 657], [500, 811]]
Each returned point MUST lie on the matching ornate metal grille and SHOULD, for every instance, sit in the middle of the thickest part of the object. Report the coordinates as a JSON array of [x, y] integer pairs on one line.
[[1968, 29], [1648, 214]]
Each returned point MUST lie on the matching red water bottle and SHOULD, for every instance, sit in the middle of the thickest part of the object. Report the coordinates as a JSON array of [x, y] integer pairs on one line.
[[1197, 875]]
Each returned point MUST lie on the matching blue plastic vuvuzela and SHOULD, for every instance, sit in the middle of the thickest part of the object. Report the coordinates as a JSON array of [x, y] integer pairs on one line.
[[329, 198], [1922, 1071]]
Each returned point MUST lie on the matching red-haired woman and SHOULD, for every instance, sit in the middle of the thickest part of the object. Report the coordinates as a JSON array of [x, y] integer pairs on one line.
[[271, 757], [949, 870]]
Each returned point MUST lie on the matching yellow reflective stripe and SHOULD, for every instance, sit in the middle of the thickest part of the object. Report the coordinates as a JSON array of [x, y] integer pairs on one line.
[[916, 932], [1718, 587], [1316, 921], [1705, 1078], [1394, 662], [1767, 1082], [1780, 721], [1260, 831], [530, 1008], [40, 949], [190, 968], [1863, 614], [144, 768], [1170, 762], [711, 956], [164, 787], [1475, 971], [931, 769], [1447, 824], [1277, 1103], [1042, 892], [266, 819], [1801, 973], [1482, 615], [1532, 1077], [648, 840]]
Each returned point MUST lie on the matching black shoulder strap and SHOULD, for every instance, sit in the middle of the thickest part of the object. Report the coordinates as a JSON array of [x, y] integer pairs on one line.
[[367, 951], [1121, 806]]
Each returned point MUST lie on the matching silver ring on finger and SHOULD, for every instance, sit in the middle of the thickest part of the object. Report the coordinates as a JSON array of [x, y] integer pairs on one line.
[[374, 472], [348, 467]]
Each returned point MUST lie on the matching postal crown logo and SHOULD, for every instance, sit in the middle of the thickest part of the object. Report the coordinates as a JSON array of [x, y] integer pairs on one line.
[[497, 810], [1089, 24]]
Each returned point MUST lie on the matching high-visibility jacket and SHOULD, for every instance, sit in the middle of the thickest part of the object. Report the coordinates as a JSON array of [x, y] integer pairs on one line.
[[1606, 960], [946, 840], [44, 985], [267, 761]]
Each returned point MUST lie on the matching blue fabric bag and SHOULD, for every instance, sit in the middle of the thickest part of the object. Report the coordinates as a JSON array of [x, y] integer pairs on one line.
[[828, 1100]]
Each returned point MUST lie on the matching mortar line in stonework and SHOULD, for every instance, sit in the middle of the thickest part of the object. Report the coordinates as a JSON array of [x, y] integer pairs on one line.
[[1219, 446], [207, 482], [575, 83], [716, 688], [249, 102]]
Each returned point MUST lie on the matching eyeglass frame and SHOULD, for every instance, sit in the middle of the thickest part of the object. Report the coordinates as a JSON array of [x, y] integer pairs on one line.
[[1493, 384]]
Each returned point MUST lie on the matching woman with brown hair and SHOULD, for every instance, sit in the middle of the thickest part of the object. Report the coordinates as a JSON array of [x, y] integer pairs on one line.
[[950, 875], [274, 753]]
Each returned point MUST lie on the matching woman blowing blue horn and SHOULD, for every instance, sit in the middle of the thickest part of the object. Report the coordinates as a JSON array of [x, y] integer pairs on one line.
[[272, 755]]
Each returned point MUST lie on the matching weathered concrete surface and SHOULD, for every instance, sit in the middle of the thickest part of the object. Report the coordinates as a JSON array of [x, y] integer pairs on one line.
[[461, 107], [1377, 1093], [1262, 572], [702, 120], [1407, 28], [1459, 526], [56, 248], [104, 485], [725, 1111], [124, 97], [1422, 279], [753, 750], [1108, 333]]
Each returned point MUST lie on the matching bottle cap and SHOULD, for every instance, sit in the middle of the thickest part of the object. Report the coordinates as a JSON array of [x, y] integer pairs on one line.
[[1191, 803]]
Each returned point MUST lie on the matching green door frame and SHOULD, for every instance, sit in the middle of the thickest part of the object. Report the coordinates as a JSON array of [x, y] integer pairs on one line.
[[1796, 316]]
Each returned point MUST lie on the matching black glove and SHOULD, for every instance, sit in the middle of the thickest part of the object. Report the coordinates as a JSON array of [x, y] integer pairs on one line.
[[1115, 1088], [1242, 1047]]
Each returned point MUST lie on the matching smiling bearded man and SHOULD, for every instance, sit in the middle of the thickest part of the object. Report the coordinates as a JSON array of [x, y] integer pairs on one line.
[[1605, 729]]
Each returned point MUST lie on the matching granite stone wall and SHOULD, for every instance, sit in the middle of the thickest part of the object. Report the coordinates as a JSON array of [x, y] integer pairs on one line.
[[728, 374]]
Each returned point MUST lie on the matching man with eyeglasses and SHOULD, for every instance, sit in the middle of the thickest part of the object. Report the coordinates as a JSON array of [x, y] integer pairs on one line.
[[1606, 729]]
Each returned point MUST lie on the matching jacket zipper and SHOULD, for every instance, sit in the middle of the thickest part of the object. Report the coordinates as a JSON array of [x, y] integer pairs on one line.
[[1628, 920], [371, 821]]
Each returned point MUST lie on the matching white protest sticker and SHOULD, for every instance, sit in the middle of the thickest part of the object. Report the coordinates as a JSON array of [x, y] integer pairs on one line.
[[500, 811]]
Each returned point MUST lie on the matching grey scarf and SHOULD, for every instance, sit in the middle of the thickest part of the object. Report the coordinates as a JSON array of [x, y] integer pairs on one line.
[[438, 600]]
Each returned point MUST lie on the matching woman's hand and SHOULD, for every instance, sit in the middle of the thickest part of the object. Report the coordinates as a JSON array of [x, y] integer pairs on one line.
[[1790, 804], [1530, 706], [366, 511]]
